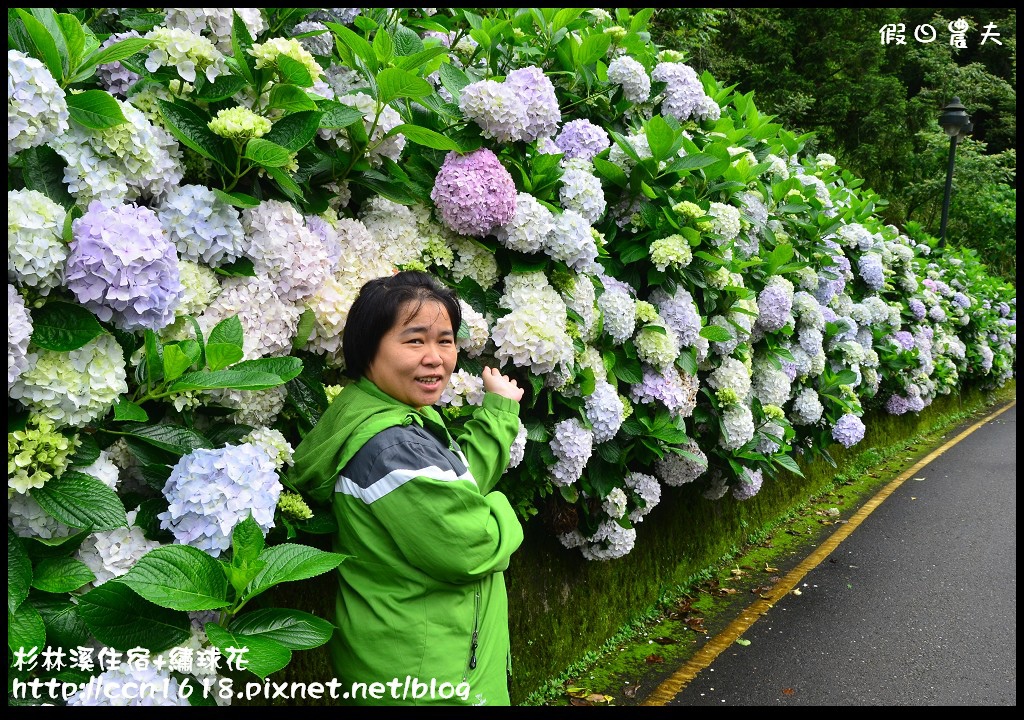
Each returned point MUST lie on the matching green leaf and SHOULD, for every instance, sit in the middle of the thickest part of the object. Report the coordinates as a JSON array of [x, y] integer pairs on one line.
[[224, 87], [61, 575], [175, 362], [43, 46], [691, 162], [44, 548], [408, 44], [290, 98], [25, 629], [425, 136], [285, 367], [453, 79], [247, 542], [337, 115], [237, 199], [221, 355], [592, 49], [42, 170], [19, 571], [63, 625], [225, 379], [715, 333], [358, 45], [285, 182], [295, 629], [660, 137], [395, 83], [789, 463], [294, 72], [262, 656], [118, 51], [81, 501], [289, 562], [417, 61], [95, 109], [241, 41], [228, 331], [127, 411], [179, 577], [295, 131], [611, 171], [154, 357], [74, 38], [267, 154], [187, 124], [63, 326], [781, 255], [120, 618], [172, 438], [383, 45]]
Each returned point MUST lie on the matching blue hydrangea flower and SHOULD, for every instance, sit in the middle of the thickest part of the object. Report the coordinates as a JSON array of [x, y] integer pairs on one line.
[[211, 491], [123, 267], [848, 430]]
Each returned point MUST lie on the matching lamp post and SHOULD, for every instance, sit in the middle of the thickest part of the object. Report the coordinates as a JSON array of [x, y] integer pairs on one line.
[[955, 122]]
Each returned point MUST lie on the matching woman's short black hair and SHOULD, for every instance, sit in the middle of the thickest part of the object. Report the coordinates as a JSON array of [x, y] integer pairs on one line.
[[375, 312]]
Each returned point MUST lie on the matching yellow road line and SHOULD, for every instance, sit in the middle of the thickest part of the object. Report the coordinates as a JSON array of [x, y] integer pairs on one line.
[[714, 647]]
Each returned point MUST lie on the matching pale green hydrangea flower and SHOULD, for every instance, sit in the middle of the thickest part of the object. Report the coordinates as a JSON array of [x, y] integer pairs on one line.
[[672, 250], [239, 124]]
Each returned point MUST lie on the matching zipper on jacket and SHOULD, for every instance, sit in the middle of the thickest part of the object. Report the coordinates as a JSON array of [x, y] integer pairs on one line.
[[474, 643]]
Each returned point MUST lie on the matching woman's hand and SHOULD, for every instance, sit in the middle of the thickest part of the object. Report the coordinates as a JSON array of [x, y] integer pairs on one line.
[[503, 385]]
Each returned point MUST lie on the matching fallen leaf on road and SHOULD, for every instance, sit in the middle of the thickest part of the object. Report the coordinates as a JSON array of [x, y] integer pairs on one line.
[[788, 691], [769, 568], [725, 591], [665, 641], [741, 641], [654, 659], [796, 591]]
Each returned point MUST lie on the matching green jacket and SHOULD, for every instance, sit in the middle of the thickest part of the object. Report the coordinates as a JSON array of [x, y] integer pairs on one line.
[[423, 595]]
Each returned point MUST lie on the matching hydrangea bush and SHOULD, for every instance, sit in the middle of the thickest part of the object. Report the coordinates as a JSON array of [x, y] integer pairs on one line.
[[195, 200]]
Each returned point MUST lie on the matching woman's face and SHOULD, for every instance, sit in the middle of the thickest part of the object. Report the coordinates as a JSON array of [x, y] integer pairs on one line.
[[417, 356]]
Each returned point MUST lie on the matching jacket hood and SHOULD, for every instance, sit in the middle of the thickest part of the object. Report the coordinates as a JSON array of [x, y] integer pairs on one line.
[[357, 414]]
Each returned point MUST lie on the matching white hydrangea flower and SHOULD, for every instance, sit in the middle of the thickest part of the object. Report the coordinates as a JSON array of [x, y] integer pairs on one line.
[[572, 241], [186, 51], [215, 22], [274, 443], [463, 389], [133, 160], [738, 421], [19, 332], [807, 407], [28, 519], [725, 221], [112, 553], [732, 375], [518, 450], [479, 333], [533, 334], [76, 387], [474, 261], [581, 191], [269, 322], [619, 310], [632, 77], [37, 111], [648, 489], [610, 541], [528, 229], [572, 445], [36, 251], [615, 503]]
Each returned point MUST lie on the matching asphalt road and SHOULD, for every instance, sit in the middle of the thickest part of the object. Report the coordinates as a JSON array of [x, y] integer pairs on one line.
[[916, 606]]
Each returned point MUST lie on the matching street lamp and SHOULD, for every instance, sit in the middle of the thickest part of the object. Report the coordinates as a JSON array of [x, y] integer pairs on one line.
[[955, 122]]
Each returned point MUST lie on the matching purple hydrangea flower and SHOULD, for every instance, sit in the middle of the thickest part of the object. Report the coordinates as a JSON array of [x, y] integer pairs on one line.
[[897, 405], [474, 193], [872, 270], [581, 139], [849, 430], [123, 267], [904, 339], [749, 485], [917, 308], [962, 300], [775, 308]]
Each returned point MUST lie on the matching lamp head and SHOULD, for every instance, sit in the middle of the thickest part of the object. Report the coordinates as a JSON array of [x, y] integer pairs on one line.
[[954, 118]]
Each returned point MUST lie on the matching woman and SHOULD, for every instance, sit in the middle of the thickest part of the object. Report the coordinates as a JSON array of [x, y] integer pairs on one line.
[[421, 607]]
